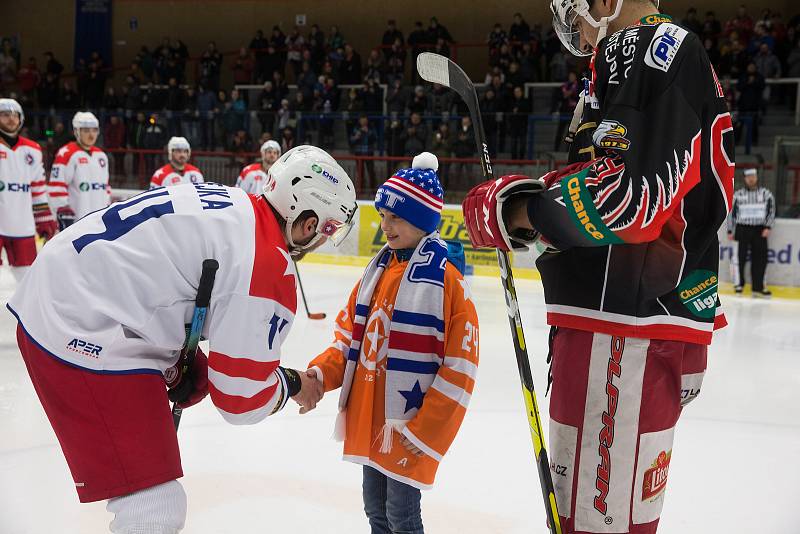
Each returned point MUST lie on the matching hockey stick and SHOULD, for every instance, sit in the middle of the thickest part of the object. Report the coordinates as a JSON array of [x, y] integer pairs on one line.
[[201, 302], [439, 69], [318, 315]]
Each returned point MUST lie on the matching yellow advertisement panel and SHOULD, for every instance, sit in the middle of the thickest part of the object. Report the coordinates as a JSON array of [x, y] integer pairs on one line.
[[371, 238]]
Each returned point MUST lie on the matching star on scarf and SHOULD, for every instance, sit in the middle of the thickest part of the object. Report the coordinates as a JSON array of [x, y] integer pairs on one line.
[[413, 397]]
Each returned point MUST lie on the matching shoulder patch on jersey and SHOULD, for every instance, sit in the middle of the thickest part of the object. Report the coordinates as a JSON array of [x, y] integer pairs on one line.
[[664, 46], [24, 141]]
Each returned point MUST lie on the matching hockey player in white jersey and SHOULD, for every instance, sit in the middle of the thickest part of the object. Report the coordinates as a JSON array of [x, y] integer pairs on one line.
[[178, 170], [79, 176], [102, 312], [24, 211], [252, 177]]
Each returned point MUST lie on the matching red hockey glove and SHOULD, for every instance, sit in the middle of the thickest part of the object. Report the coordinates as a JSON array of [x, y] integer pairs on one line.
[[191, 388], [484, 217], [65, 216], [46, 225]]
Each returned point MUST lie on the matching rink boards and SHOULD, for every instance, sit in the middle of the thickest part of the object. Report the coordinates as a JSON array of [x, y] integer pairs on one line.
[[783, 270]]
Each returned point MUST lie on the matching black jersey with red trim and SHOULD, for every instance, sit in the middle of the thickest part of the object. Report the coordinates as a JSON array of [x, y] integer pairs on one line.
[[633, 231]]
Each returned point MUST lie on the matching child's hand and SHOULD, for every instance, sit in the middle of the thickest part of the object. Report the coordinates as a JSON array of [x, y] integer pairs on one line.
[[416, 451]]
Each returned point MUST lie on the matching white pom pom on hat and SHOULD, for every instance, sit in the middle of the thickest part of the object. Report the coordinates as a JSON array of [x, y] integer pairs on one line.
[[425, 160]]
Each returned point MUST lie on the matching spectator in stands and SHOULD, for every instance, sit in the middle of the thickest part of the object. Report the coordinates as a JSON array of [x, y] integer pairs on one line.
[[415, 136], [376, 65], [350, 67], [53, 66], [396, 64], [154, 139], [136, 131], [517, 122], [190, 116], [529, 59], [441, 47], [174, 106], [441, 102], [111, 102], [48, 91], [335, 38], [307, 79], [396, 97], [372, 94], [29, 78], [180, 53], [258, 47], [206, 104], [280, 85], [418, 103], [144, 60], [741, 24], [316, 45], [268, 103], [767, 64], [559, 67], [362, 143], [243, 68], [440, 146], [489, 109], [61, 136], [519, 33], [114, 139], [497, 38], [711, 27], [568, 95], [390, 36], [734, 60], [793, 60], [8, 68], [295, 46], [750, 97], [353, 104], [437, 31], [394, 138], [761, 36], [287, 140], [514, 77], [68, 100], [278, 42], [418, 41], [691, 22], [95, 85], [132, 96], [211, 66], [463, 147]]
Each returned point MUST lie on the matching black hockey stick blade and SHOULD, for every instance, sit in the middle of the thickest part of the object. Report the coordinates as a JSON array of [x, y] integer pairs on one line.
[[439, 69], [315, 316]]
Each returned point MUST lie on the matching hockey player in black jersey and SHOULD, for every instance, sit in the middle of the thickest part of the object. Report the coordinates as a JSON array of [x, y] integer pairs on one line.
[[630, 269]]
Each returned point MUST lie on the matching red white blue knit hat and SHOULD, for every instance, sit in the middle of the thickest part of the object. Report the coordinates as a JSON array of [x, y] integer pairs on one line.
[[415, 194]]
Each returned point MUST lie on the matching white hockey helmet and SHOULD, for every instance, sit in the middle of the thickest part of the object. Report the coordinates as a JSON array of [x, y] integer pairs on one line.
[[84, 119], [178, 143], [565, 16], [271, 145], [11, 105], [308, 178]]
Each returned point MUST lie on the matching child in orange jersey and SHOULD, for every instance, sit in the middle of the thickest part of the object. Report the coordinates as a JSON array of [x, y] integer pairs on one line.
[[405, 354]]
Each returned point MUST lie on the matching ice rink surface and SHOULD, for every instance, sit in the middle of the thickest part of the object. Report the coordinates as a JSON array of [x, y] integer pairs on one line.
[[735, 467]]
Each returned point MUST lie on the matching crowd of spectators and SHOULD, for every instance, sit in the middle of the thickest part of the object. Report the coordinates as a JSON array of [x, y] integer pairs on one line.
[[165, 91]]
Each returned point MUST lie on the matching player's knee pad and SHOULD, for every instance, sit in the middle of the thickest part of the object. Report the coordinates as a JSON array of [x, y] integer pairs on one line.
[[156, 510], [19, 272]]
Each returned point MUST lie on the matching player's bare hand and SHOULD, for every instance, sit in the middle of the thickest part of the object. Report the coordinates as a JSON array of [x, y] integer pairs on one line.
[[416, 451], [765, 233], [310, 392]]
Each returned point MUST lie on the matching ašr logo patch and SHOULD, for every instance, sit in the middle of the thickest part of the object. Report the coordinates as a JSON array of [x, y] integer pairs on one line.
[[698, 292], [664, 46]]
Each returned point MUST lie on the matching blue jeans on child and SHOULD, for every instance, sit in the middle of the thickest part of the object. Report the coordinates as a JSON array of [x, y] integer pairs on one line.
[[392, 507]]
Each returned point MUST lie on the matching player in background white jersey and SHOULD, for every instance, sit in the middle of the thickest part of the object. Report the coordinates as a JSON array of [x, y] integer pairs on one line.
[[102, 313], [23, 197], [79, 176], [252, 177], [178, 170]]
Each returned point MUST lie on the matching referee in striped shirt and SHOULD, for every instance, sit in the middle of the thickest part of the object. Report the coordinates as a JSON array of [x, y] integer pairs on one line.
[[751, 218]]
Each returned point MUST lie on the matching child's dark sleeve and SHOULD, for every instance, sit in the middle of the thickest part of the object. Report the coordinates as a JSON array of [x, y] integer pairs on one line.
[[331, 362], [436, 424]]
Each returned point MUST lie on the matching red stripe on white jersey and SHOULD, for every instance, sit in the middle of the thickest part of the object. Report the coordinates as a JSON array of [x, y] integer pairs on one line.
[[241, 367], [238, 405]]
